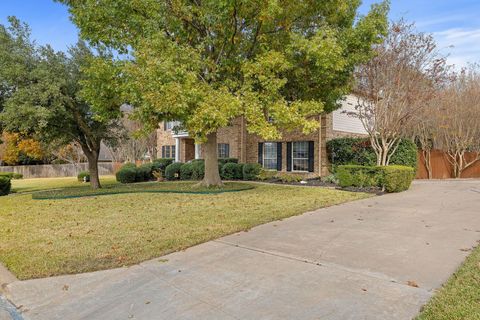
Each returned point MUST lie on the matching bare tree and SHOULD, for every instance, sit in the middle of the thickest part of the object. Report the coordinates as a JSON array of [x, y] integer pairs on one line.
[[459, 120], [133, 145], [396, 84], [71, 153]]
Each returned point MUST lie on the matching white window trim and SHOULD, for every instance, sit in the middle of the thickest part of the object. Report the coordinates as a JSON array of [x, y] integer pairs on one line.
[[276, 156], [307, 158]]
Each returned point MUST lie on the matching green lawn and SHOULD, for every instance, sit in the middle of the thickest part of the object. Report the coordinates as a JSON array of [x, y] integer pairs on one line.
[[40, 238], [459, 298]]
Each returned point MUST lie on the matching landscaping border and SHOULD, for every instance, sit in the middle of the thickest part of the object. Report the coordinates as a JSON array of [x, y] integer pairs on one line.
[[38, 196]]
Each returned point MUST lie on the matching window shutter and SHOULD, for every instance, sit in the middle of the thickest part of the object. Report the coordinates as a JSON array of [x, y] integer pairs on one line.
[[260, 153], [163, 152], [164, 125], [311, 156], [227, 147], [279, 156], [289, 156]]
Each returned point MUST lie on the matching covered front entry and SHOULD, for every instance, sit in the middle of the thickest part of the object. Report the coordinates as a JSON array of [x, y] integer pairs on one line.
[[186, 149]]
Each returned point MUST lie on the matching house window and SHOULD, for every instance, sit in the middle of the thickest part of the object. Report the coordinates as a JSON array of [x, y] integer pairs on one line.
[[223, 150], [170, 125], [168, 151], [300, 155], [270, 155]]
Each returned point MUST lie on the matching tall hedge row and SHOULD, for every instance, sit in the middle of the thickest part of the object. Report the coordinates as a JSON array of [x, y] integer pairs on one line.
[[358, 151]]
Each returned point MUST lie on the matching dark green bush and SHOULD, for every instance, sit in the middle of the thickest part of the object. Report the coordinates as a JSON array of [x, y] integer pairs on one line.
[[161, 165], [232, 171], [128, 165], [83, 176], [143, 173], [186, 171], [397, 178], [11, 175], [223, 161], [5, 185], [358, 151], [391, 178], [198, 169], [126, 175], [405, 155], [172, 171], [251, 171], [359, 176]]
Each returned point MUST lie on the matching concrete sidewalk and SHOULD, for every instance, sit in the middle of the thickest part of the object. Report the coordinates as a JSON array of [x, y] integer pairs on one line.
[[360, 260]]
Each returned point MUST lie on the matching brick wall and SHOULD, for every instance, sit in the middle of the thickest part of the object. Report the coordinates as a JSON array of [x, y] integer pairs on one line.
[[164, 138], [253, 140]]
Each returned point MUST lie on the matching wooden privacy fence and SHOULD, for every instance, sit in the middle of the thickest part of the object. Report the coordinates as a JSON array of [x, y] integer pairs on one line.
[[58, 170], [441, 167]]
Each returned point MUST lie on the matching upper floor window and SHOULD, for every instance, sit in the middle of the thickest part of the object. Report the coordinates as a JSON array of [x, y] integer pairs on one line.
[[170, 125], [223, 150]]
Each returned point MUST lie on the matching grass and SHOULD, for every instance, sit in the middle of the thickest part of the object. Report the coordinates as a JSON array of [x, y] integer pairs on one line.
[[54, 237], [459, 298]]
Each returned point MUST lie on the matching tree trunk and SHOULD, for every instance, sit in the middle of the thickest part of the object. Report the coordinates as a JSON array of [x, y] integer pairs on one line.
[[92, 159], [212, 175], [93, 170], [427, 156]]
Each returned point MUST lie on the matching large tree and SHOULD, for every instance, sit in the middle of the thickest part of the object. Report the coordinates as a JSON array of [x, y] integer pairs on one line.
[[396, 85], [43, 98], [277, 63]]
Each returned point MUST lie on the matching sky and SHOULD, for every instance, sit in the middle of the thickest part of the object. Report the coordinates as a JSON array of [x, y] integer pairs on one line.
[[452, 22]]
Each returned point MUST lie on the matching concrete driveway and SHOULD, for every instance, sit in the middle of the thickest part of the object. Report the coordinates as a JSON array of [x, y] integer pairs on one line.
[[360, 260]]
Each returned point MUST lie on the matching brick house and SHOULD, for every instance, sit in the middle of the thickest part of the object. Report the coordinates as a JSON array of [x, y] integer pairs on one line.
[[295, 152]]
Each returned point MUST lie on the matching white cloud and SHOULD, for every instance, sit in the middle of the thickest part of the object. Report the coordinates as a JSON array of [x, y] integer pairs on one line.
[[463, 45]]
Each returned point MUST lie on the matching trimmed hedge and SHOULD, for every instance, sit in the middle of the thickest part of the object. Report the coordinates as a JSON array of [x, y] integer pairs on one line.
[[161, 165], [11, 175], [391, 178], [172, 171], [126, 175], [186, 171], [198, 169], [397, 178], [358, 151], [251, 171], [223, 161], [83, 176], [232, 171], [5, 185], [359, 176]]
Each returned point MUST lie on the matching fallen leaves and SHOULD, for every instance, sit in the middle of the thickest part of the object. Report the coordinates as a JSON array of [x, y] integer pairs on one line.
[[412, 283]]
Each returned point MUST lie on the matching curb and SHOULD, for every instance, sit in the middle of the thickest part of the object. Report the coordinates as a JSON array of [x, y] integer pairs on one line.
[[6, 277]]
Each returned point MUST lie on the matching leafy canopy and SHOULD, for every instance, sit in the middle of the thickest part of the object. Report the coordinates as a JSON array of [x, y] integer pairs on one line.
[[42, 97], [277, 63]]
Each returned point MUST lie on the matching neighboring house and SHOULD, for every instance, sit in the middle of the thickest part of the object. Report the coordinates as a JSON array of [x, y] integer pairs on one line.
[[295, 152]]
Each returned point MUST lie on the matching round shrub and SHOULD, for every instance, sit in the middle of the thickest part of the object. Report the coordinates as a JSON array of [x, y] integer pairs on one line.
[[251, 171], [161, 164], [5, 185], [223, 161], [126, 175], [198, 169], [83, 176], [186, 171], [148, 169], [172, 171], [142, 173], [231, 171]]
